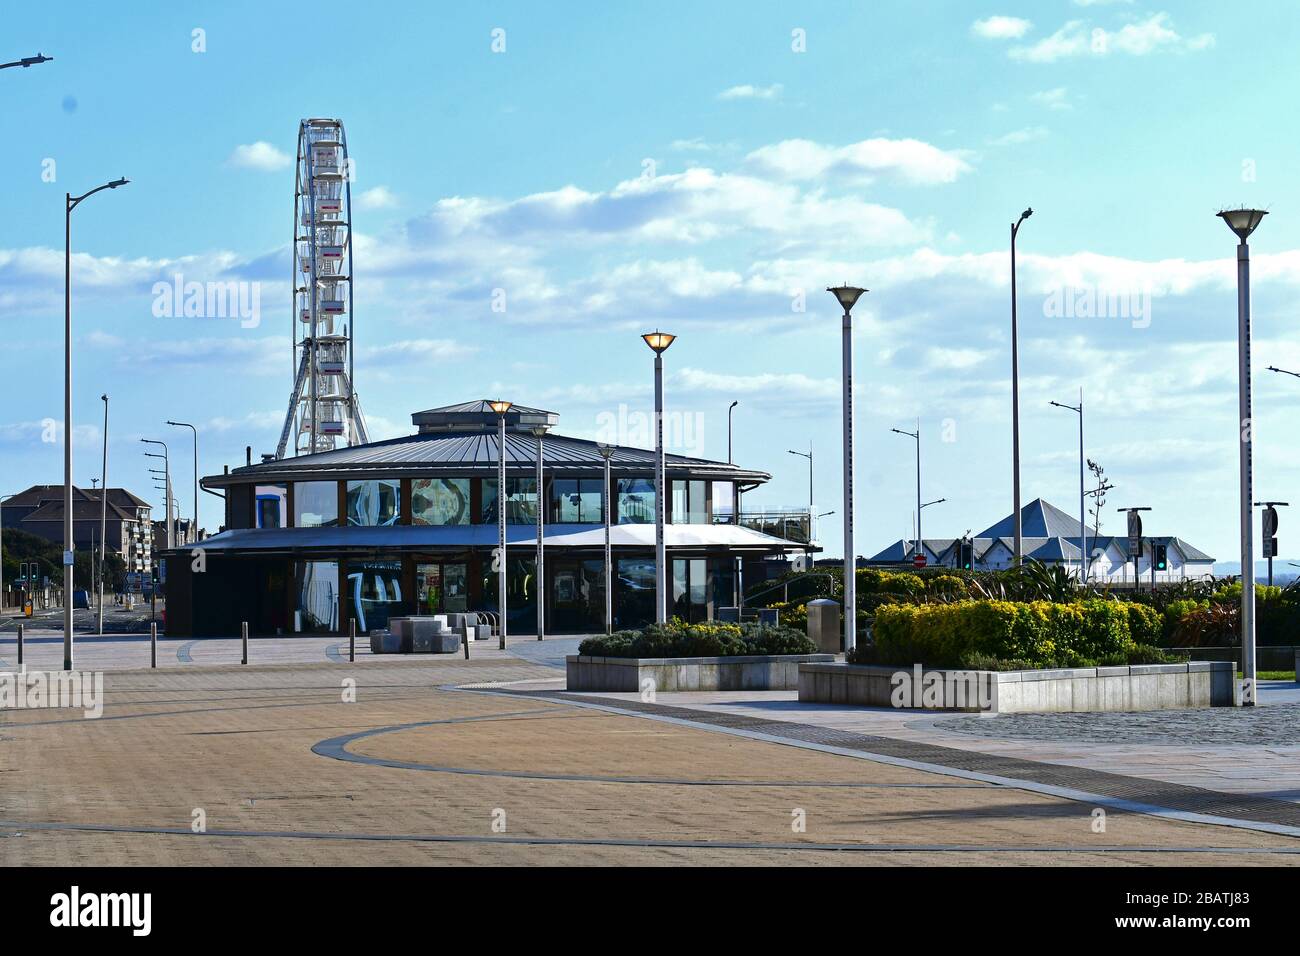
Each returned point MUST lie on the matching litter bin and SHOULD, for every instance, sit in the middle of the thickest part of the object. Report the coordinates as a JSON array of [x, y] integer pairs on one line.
[[824, 625]]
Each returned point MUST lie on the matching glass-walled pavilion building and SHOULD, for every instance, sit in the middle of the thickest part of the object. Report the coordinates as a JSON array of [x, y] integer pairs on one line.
[[409, 526]]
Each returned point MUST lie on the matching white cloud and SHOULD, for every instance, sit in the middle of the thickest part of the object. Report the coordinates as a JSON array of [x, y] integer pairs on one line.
[[909, 160], [748, 91], [1074, 39], [1000, 28], [1015, 137], [260, 155], [379, 197], [1053, 99], [416, 351]]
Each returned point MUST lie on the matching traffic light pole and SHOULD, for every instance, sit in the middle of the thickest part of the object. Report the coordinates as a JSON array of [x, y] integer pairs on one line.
[[1268, 522]]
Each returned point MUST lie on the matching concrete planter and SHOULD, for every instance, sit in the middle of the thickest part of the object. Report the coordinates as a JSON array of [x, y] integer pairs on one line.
[[629, 674], [1130, 688]]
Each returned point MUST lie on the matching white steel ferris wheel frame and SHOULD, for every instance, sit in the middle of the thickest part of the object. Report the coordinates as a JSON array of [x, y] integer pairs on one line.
[[308, 399]]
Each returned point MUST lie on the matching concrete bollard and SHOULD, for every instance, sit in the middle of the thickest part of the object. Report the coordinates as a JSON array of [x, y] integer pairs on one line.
[[352, 639], [464, 636], [153, 644], [20, 644], [243, 633]]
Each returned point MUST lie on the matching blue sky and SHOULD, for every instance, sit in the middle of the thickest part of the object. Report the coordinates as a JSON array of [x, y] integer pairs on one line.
[[624, 166]]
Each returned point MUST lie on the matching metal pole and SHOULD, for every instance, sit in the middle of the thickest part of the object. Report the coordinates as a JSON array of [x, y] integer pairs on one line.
[[661, 552], [1083, 515], [920, 546], [609, 568], [1246, 426], [850, 560], [67, 433], [153, 644], [103, 520], [540, 587], [501, 529], [243, 636], [352, 639], [1015, 404], [20, 644]]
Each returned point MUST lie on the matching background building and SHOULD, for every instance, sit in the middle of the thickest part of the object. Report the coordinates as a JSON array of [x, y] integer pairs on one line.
[[1051, 536], [39, 511]]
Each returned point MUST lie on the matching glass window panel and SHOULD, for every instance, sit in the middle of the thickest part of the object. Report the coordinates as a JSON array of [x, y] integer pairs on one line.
[[698, 505], [270, 506], [373, 504], [680, 508], [724, 501], [576, 501], [376, 593], [521, 500], [636, 501], [315, 504], [440, 501], [317, 610], [635, 587]]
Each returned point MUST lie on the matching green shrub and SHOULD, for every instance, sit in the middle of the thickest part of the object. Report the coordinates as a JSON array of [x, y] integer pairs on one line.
[[706, 639], [1037, 633]]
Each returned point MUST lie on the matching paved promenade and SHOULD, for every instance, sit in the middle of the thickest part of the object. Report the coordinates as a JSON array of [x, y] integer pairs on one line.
[[302, 758]]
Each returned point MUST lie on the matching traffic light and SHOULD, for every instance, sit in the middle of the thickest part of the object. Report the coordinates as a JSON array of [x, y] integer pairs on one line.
[[1160, 554], [965, 554]]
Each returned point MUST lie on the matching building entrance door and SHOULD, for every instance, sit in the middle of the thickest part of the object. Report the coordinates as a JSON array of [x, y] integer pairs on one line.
[[442, 587]]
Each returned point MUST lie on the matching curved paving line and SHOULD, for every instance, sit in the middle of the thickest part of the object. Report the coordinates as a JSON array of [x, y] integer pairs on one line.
[[183, 652], [1096, 787], [1111, 848], [337, 748], [334, 652]]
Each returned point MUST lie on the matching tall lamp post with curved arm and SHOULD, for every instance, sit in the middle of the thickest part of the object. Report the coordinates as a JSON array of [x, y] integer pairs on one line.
[[1015, 389], [70, 202]]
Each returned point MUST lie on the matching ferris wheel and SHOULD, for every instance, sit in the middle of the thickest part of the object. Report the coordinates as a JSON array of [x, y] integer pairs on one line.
[[323, 407]]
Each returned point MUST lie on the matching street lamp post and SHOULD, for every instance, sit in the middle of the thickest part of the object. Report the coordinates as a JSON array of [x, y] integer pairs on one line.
[[659, 342], [103, 520], [847, 296], [1243, 222], [194, 530], [605, 452], [70, 203], [540, 432], [1015, 389], [167, 480], [809, 455], [730, 409], [27, 61], [1083, 523], [916, 435], [3, 592], [501, 407]]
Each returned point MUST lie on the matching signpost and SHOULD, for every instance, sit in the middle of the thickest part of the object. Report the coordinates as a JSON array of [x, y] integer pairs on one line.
[[1269, 521], [1135, 540]]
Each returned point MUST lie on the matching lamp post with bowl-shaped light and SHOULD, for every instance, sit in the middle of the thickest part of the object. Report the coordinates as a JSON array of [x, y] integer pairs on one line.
[[1243, 222], [501, 408], [659, 342], [847, 296]]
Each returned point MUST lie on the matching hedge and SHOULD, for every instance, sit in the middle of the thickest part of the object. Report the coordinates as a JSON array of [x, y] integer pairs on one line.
[[1039, 633], [712, 639]]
